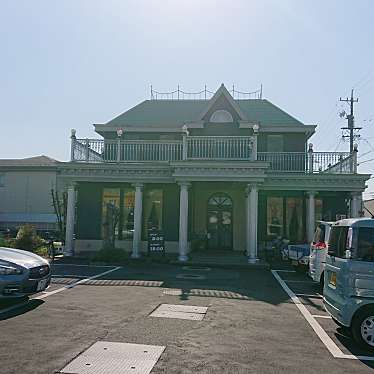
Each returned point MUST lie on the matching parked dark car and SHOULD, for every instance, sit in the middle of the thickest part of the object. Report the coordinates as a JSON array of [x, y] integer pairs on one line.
[[22, 273]]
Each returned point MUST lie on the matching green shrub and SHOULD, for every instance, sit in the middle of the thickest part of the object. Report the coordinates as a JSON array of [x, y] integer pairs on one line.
[[27, 239], [4, 242], [110, 255]]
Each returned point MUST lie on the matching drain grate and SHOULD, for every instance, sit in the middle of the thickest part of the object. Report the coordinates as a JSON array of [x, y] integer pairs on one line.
[[191, 312], [207, 293], [112, 282], [109, 358]]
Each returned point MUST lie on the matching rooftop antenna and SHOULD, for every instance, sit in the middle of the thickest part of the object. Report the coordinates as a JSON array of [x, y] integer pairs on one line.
[[261, 92]]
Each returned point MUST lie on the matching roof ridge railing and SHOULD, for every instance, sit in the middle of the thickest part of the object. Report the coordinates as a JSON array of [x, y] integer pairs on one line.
[[204, 94]]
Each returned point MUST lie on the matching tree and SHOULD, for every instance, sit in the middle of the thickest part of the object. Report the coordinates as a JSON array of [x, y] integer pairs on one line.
[[60, 208]]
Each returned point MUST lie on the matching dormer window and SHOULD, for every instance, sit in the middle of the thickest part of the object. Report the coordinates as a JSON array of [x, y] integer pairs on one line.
[[221, 116]]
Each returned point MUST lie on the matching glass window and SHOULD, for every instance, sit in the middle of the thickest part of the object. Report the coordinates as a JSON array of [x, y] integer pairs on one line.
[[294, 219], [365, 250], [338, 240], [153, 202], [128, 214], [2, 179], [275, 143], [275, 216], [110, 196]]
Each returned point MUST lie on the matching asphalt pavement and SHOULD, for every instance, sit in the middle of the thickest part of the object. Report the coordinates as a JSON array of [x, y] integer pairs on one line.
[[251, 325]]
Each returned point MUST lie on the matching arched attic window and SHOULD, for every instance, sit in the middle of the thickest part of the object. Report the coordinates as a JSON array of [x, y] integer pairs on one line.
[[221, 116]]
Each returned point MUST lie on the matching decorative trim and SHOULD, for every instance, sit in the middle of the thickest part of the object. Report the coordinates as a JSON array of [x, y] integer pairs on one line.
[[222, 90]]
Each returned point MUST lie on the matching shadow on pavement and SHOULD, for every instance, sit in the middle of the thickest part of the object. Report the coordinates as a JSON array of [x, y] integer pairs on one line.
[[241, 284], [14, 308]]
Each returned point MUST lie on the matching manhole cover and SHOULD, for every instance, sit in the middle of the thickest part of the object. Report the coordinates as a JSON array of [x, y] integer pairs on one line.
[[191, 312], [109, 358], [190, 276]]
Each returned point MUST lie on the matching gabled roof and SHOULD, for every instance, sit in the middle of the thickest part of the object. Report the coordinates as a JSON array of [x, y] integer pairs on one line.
[[30, 161]]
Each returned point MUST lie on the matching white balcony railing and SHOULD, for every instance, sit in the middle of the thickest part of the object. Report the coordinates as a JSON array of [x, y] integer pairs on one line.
[[238, 148]]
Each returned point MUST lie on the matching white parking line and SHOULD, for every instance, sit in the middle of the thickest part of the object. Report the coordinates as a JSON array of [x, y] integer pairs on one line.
[[46, 294], [68, 286], [321, 316], [321, 333], [317, 296]]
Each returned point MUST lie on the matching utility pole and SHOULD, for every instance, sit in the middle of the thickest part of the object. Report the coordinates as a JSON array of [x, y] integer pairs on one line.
[[351, 122]]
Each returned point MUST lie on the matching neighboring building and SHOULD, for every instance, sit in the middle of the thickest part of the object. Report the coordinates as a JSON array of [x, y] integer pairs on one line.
[[25, 192], [224, 173], [369, 205]]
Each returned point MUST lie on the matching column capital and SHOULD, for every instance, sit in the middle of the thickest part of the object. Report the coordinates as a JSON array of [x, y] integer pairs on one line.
[[184, 184], [251, 186], [138, 185], [356, 193], [71, 185], [311, 193]]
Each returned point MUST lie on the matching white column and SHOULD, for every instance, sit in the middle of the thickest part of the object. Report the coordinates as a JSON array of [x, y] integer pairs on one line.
[[70, 221], [311, 216], [183, 221], [356, 204], [137, 220], [252, 223], [247, 222]]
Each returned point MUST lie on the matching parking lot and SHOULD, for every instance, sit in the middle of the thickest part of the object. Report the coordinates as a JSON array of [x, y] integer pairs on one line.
[[257, 321]]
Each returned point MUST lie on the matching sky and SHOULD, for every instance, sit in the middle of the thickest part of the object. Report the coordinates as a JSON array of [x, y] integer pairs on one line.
[[71, 63]]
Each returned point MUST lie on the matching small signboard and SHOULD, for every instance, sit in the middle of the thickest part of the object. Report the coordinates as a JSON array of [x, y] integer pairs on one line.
[[156, 242]]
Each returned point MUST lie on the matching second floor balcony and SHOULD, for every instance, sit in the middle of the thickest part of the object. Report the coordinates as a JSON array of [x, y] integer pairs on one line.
[[212, 148]]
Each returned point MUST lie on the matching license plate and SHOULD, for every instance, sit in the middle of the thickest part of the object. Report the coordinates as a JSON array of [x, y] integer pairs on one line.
[[42, 285], [333, 279], [294, 262]]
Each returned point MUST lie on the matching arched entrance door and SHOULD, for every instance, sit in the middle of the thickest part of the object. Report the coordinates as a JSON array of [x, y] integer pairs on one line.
[[219, 223]]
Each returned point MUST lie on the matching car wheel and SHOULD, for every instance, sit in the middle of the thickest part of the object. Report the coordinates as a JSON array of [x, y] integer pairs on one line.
[[363, 328]]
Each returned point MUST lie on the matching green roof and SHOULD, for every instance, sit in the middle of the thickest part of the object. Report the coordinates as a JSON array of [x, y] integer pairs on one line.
[[173, 113]]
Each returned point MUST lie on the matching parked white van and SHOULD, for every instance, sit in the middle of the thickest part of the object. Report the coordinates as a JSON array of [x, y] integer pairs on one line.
[[318, 251]]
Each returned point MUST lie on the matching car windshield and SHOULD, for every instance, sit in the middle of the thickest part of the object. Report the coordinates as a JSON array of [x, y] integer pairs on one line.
[[365, 244], [337, 240]]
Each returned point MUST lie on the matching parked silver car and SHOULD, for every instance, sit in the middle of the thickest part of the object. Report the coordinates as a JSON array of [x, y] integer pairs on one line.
[[22, 273]]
